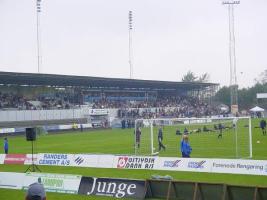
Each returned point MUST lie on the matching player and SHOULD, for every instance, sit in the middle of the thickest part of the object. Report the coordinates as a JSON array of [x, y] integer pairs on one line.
[[263, 126], [160, 139], [138, 137], [6, 146], [220, 127], [185, 147]]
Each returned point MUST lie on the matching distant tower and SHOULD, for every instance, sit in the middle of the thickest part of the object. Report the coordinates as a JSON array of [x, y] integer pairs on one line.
[[130, 43], [38, 38], [232, 56]]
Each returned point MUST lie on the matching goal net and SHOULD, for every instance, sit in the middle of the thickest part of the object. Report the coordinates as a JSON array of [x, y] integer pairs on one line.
[[229, 137]]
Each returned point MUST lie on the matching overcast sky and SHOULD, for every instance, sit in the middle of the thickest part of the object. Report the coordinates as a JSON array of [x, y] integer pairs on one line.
[[170, 37]]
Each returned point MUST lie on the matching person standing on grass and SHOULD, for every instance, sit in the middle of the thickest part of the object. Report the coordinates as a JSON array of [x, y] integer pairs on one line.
[[220, 127], [263, 126], [160, 139], [185, 147], [6, 146], [138, 137]]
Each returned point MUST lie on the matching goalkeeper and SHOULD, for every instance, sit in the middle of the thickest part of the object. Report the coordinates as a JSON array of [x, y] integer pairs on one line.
[[185, 147]]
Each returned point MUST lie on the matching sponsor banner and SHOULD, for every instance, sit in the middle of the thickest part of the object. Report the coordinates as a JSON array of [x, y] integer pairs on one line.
[[199, 165], [54, 159], [15, 159], [60, 183], [98, 112], [252, 167], [2, 158], [118, 188], [11, 180], [174, 164], [83, 160], [7, 130], [134, 162], [183, 164]]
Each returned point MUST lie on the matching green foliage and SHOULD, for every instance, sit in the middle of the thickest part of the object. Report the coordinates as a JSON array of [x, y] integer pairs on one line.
[[189, 77], [247, 97], [262, 78], [223, 95], [204, 78]]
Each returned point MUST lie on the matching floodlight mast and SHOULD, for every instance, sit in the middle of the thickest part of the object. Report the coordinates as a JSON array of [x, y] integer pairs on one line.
[[38, 38], [130, 43], [232, 57]]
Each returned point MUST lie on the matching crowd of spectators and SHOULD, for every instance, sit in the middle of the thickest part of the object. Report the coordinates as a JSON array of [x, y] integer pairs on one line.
[[20, 102], [10, 100], [129, 107]]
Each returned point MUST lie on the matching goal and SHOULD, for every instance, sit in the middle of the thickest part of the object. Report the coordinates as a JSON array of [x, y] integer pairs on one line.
[[222, 137]]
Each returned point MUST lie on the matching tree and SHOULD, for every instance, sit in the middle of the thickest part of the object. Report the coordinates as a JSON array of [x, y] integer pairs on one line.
[[223, 95], [262, 77], [189, 77], [204, 78]]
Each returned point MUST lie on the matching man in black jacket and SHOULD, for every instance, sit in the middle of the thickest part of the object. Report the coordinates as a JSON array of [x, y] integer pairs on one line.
[[160, 139], [263, 126]]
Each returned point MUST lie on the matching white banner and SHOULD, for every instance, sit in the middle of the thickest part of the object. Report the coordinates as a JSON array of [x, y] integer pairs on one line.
[[98, 112], [7, 130], [83, 160], [105, 161], [230, 166], [252, 167], [60, 183], [2, 158], [261, 95], [11, 180]]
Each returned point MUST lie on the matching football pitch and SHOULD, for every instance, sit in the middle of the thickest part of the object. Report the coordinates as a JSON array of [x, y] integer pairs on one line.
[[121, 141]]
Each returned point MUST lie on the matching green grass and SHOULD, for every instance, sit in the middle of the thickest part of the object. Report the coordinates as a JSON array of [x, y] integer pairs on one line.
[[119, 141]]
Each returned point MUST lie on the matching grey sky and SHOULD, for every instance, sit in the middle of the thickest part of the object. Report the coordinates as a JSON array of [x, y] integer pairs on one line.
[[90, 37]]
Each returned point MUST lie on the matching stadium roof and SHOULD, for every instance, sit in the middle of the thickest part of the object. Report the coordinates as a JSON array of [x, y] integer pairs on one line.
[[33, 79]]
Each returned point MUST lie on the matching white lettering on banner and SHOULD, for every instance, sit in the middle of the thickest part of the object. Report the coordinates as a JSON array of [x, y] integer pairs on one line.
[[111, 188], [54, 182], [54, 159], [135, 162]]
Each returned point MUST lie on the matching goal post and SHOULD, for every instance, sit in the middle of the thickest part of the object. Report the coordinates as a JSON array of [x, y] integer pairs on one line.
[[218, 137]]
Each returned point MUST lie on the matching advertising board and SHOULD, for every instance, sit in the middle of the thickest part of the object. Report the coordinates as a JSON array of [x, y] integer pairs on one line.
[[253, 167], [134, 162], [18, 159], [118, 188], [61, 183]]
